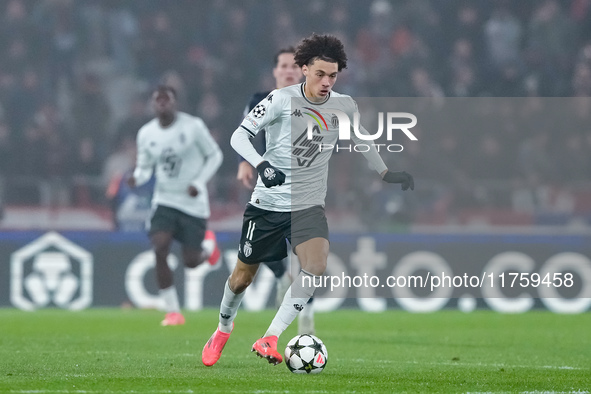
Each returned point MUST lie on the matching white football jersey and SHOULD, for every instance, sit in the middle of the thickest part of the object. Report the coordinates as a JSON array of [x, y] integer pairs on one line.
[[284, 114], [178, 153]]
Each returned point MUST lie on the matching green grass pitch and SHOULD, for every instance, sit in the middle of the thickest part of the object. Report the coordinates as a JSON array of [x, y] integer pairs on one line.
[[126, 351]]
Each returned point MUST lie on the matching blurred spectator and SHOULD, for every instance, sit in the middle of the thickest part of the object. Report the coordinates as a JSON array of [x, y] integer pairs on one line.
[[535, 158], [23, 100], [509, 81], [581, 81], [123, 31], [7, 161], [159, 46], [573, 165], [423, 86], [551, 34], [503, 33], [91, 113], [489, 162], [60, 24], [210, 108], [129, 126], [31, 164], [121, 160]]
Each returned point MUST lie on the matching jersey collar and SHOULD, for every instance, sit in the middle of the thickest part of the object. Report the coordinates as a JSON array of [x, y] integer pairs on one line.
[[302, 85], [176, 117]]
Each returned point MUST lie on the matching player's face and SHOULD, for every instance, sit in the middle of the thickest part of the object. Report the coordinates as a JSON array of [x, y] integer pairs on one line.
[[320, 78], [163, 102], [286, 72]]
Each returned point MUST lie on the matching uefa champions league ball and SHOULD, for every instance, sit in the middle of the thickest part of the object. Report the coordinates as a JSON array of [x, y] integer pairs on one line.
[[305, 354]]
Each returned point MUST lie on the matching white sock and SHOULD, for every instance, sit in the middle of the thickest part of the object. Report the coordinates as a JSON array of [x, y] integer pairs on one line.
[[229, 308], [170, 298], [295, 300]]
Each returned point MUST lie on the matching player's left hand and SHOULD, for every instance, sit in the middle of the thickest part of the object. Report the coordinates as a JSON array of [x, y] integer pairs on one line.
[[192, 190], [404, 178]]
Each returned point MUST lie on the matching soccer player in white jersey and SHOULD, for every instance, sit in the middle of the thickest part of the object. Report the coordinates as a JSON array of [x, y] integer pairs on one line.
[[288, 200], [286, 73], [185, 157]]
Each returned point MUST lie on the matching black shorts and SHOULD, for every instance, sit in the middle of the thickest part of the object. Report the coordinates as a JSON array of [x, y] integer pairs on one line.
[[264, 232], [188, 230]]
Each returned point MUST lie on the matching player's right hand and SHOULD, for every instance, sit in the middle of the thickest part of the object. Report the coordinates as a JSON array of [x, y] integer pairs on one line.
[[270, 175], [245, 174], [131, 182]]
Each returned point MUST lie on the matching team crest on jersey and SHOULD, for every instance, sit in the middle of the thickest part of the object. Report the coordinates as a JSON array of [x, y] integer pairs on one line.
[[259, 111], [269, 173], [247, 250], [334, 121]]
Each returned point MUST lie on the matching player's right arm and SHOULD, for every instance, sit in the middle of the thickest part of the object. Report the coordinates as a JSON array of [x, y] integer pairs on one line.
[[245, 171], [144, 166], [265, 112]]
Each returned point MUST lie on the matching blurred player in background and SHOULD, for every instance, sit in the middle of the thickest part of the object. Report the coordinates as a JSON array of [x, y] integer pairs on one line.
[[286, 73], [186, 157], [288, 200]]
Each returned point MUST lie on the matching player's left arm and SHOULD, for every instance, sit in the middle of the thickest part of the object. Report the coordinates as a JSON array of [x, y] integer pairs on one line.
[[373, 157], [212, 154]]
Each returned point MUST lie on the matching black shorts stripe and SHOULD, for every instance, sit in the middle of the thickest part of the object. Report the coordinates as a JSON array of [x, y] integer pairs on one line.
[[264, 233]]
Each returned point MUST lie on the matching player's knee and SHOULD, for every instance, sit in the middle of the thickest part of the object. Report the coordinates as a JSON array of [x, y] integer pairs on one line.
[[239, 283], [316, 267], [192, 258], [241, 286], [192, 262]]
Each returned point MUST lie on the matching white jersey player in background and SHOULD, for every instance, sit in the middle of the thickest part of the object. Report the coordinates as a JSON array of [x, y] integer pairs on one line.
[[288, 200], [185, 156]]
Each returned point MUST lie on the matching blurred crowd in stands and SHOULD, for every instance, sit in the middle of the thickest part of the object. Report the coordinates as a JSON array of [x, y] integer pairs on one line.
[[75, 78]]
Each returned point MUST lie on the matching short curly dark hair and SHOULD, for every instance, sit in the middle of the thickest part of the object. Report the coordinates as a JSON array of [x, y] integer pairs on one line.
[[322, 47]]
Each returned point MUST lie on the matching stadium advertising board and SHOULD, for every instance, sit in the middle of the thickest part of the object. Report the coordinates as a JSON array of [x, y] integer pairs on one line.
[[416, 272]]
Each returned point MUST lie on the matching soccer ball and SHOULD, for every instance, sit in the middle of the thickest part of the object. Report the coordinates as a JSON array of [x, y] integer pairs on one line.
[[305, 354]]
